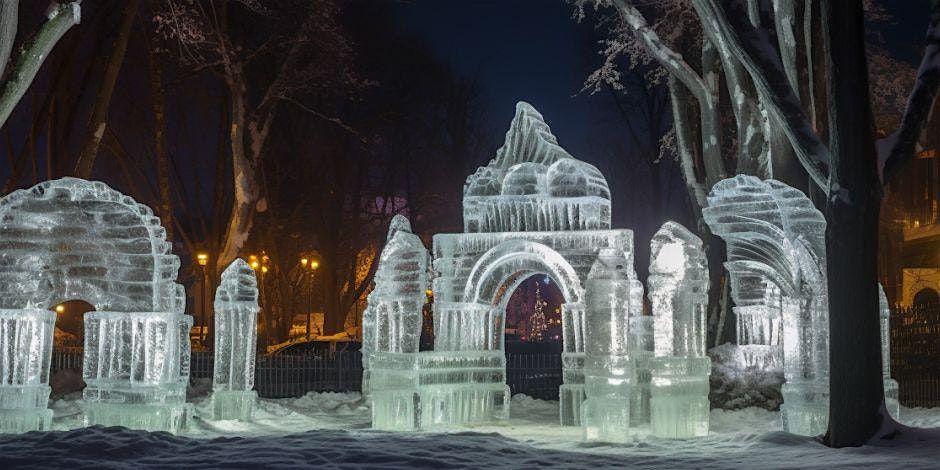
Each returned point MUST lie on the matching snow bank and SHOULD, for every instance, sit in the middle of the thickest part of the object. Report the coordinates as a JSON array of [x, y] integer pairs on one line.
[[331, 429]]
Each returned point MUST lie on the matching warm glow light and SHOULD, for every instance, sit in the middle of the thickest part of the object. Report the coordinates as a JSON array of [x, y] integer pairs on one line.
[[60, 308], [264, 269], [314, 264], [202, 258], [254, 264], [428, 293], [303, 262]]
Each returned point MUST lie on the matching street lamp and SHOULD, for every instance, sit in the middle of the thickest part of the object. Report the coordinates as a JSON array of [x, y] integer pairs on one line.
[[203, 260], [59, 308], [313, 265]]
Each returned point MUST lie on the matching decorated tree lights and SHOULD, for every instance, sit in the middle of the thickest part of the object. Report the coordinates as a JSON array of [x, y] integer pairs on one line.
[[537, 321]]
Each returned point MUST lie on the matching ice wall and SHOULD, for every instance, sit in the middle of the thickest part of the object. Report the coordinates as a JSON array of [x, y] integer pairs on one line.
[[392, 319], [890, 385], [776, 244], [236, 336], [678, 292]]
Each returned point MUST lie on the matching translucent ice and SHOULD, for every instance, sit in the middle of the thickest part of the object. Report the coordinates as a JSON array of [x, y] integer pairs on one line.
[[890, 385], [236, 319], [74, 239], [777, 262], [392, 320], [678, 292]]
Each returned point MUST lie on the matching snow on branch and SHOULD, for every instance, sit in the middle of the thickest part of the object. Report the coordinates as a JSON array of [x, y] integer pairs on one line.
[[756, 53], [61, 18], [898, 148]]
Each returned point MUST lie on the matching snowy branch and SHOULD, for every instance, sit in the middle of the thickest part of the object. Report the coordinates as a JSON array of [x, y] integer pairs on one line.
[[8, 18], [758, 57], [901, 145], [61, 18]]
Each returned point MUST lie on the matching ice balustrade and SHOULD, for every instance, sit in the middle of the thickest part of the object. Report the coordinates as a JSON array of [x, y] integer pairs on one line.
[[75, 239], [236, 336]]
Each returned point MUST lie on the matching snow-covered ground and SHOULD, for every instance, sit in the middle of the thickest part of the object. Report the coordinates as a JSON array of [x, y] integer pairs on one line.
[[331, 429]]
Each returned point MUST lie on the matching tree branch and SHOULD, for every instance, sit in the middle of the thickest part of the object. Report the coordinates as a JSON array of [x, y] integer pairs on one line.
[[8, 18], [919, 103], [61, 18], [756, 54]]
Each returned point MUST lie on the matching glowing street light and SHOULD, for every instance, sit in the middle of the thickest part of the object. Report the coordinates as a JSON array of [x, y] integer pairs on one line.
[[264, 269], [254, 264], [314, 264], [59, 308], [202, 259], [304, 261]]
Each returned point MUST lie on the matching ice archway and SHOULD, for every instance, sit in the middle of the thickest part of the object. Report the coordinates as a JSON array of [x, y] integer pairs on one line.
[[504, 262], [77, 239]]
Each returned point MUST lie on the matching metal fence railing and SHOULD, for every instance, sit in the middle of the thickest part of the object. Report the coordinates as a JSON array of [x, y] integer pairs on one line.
[[915, 354], [535, 374]]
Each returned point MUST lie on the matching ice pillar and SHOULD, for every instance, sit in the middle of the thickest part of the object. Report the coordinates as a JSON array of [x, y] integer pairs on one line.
[[392, 320], [678, 292], [25, 351], [890, 385], [613, 297], [236, 337]]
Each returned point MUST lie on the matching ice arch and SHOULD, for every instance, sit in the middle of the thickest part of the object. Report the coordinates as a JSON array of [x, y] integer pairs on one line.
[[76, 239], [505, 261]]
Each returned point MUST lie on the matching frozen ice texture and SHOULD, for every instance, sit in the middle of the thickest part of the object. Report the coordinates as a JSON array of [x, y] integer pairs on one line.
[[890, 385], [678, 292], [535, 185], [74, 239], [613, 300], [392, 319], [777, 262], [26, 339], [236, 337]]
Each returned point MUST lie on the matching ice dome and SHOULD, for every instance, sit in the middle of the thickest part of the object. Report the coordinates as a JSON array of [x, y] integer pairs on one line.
[[525, 178], [535, 185]]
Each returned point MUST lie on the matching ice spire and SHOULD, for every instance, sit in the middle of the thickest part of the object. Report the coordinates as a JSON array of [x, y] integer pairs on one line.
[[236, 314]]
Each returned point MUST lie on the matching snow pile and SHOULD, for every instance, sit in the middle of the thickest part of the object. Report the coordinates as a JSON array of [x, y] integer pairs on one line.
[[734, 386]]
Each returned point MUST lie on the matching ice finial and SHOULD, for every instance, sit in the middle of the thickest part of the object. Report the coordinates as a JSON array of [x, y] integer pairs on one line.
[[238, 284], [678, 291], [609, 265], [399, 223]]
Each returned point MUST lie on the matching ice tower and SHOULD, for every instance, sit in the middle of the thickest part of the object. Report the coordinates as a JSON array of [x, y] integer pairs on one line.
[[890, 385], [533, 209], [236, 337], [678, 292], [777, 262], [74, 239]]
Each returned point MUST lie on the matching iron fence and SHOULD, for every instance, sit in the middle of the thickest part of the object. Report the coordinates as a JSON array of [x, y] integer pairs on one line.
[[282, 376], [915, 354]]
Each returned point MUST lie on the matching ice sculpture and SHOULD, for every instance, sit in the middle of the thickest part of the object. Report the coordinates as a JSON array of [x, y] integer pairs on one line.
[[777, 262], [75, 239], [392, 320], [533, 209], [890, 385], [678, 292], [236, 336], [614, 298]]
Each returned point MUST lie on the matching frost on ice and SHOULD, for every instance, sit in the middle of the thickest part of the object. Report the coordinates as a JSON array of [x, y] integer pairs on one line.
[[890, 385], [74, 239], [392, 320], [678, 292], [236, 336], [777, 262]]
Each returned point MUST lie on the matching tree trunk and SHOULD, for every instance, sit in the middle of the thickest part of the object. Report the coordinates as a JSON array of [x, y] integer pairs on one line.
[[24, 71], [158, 102], [99, 115], [856, 410], [9, 15]]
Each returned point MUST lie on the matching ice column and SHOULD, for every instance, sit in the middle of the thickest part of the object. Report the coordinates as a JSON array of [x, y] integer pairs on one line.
[[776, 236], [26, 336], [612, 297], [678, 292], [890, 385], [392, 319], [236, 337]]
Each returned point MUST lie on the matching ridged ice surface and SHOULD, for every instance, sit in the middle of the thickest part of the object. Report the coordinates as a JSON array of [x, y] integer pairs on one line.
[[74, 239], [678, 292], [535, 185], [777, 262], [392, 319], [890, 385], [236, 319]]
